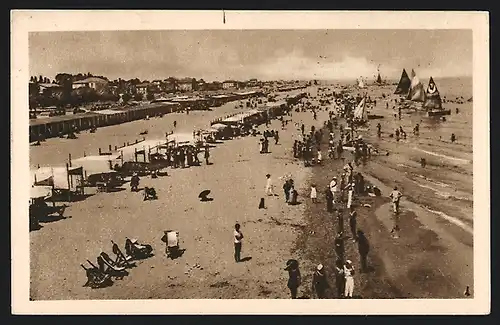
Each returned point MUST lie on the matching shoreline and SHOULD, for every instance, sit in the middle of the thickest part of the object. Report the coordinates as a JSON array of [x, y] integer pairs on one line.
[[400, 268]]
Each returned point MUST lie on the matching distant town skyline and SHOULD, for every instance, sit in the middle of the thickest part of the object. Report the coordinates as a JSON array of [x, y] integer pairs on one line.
[[263, 54]]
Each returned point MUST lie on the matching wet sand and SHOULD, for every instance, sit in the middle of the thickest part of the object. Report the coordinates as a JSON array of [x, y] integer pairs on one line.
[[433, 258]]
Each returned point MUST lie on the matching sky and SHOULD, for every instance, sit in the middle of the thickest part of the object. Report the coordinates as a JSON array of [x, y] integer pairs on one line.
[[245, 54]]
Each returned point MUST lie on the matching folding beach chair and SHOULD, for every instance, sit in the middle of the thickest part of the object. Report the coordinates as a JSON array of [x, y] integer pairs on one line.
[[121, 259], [171, 238], [117, 271], [136, 250], [95, 277]]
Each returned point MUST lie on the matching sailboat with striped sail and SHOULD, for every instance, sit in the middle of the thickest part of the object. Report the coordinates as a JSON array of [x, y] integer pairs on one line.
[[416, 93], [433, 103]]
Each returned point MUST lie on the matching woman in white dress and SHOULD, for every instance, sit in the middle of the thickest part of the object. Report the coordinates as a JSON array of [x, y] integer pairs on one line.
[[314, 193]]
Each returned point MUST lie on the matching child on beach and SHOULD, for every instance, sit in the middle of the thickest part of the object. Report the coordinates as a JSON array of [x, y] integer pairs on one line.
[[314, 194]]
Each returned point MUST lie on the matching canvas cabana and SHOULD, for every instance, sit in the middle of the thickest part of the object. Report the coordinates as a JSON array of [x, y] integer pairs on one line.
[[97, 168], [64, 181], [182, 139], [143, 148]]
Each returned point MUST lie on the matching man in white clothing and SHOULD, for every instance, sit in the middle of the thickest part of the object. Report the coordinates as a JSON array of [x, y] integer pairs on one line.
[[333, 188], [269, 186], [349, 279]]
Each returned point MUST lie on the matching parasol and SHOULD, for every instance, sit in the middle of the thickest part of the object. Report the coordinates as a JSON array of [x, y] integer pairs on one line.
[[203, 195]]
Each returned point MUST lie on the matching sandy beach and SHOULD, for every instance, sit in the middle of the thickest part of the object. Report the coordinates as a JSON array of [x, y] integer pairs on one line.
[[436, 237], [237, 181]]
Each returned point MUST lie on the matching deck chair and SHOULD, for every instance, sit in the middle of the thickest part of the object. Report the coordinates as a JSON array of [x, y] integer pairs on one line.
[[117, 271], [150, 194], [110, 261], [171, 238], [137, 251], [121, 259], [96, 278]]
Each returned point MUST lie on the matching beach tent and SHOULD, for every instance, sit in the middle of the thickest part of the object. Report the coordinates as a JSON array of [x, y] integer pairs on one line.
[[432, 98], [38, 192], [360, 112], [403, 85], [59, 178], [417, 93], [94, 165], [182, 138], [361, 83], [128, 153], [218, 126]]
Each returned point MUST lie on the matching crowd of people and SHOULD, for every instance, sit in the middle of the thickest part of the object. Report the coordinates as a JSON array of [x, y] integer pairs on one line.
[[340, 196]]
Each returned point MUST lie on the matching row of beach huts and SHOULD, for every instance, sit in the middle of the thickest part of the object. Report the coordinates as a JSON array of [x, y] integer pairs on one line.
[[55, 126], [115, 165]]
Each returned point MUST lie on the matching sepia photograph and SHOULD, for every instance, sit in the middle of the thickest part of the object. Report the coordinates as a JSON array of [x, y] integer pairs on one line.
[[224, 159]]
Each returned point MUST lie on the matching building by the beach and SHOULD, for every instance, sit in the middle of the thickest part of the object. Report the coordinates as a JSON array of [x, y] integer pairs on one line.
[[228, 84], [142, 88], [91, 82]]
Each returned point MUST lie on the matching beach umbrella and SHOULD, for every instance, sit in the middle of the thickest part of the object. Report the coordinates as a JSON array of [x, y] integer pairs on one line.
[[203, 195]]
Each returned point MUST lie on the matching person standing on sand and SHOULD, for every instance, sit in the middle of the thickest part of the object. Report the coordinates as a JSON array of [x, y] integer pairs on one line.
[[269, 186], [319, 282], [175, 124], [334, 188], [353, 222], [286, 189], [329, 199], [294, 277], [349, 279], [276, 137], [339, 278], [238, 236], [314, 193], [339, 244], [363, 249], [207, 154], [350, 194], [395, 197]]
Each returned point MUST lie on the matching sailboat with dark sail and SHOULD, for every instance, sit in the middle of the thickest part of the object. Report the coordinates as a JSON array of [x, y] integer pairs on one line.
[[379, 79], [404, 84], [433, 103]]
